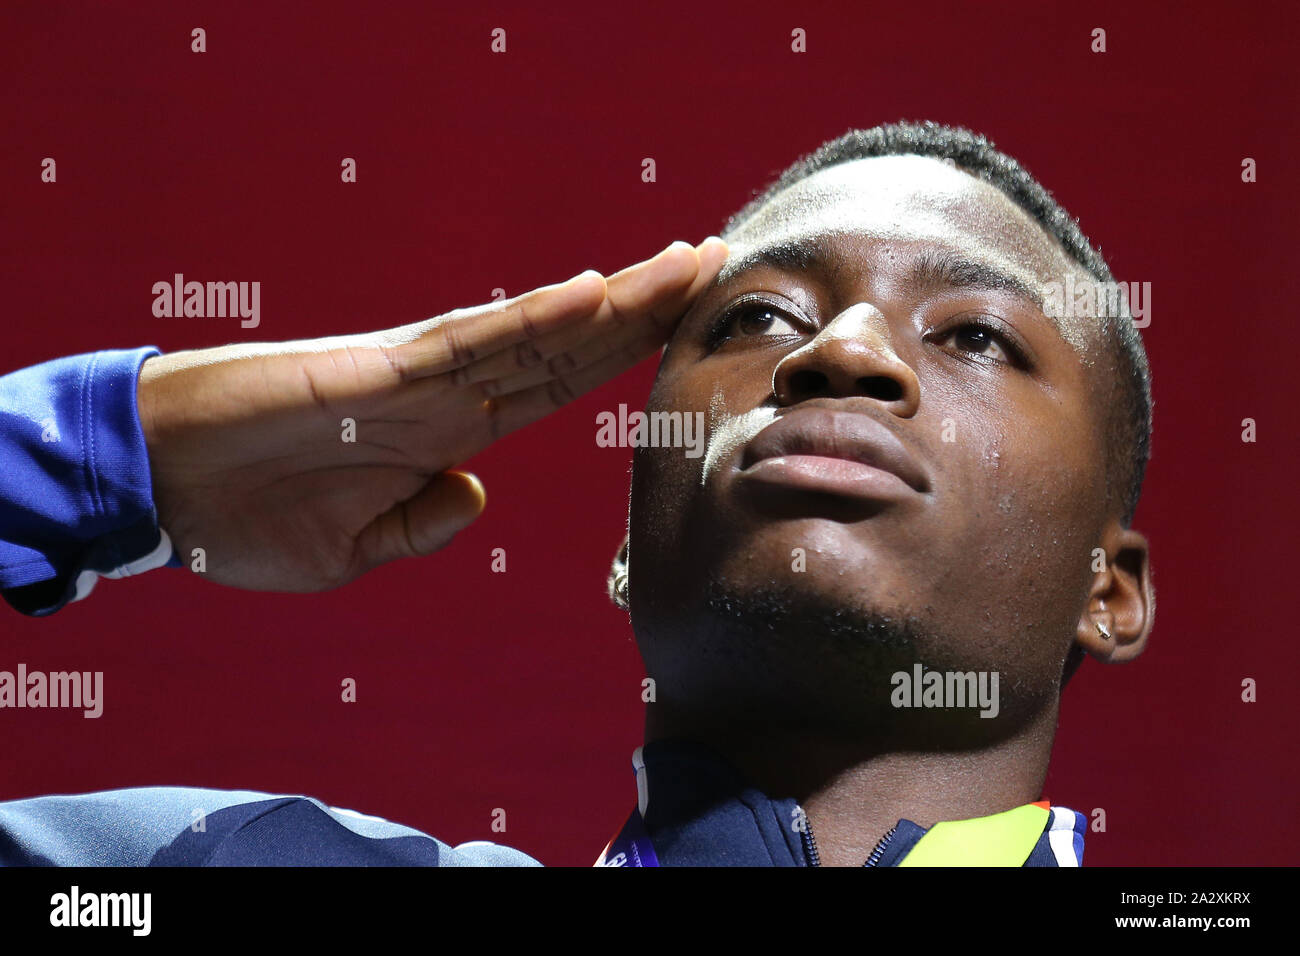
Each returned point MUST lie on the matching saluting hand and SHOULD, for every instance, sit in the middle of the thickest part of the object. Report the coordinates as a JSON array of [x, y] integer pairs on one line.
[[246, 442]]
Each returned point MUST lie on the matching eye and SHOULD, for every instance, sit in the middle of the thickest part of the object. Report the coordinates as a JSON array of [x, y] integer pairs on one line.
[[752, 318], [982, 339]]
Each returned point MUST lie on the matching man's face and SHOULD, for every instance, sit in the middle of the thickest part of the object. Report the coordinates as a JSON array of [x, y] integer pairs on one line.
[[895, 431]]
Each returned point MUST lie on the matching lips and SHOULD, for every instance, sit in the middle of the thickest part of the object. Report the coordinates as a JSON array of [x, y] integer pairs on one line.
[[835, 452]]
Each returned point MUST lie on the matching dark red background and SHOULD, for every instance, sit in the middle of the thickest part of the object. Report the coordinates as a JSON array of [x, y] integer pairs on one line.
[[521, 691]]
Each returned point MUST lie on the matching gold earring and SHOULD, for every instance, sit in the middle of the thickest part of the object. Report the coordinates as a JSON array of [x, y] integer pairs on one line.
[[1102, 630]]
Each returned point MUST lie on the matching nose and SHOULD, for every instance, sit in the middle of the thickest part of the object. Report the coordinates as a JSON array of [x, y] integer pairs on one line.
[[851, 357]]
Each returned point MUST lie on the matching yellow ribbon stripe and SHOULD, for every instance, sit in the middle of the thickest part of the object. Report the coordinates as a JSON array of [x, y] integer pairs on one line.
[[1003, 839]]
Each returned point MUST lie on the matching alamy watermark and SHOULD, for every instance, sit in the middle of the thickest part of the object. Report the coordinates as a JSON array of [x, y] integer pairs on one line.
[[653, 430], [26, 688], [134, 911], [199, 300], [1070, 299], [946, 689]]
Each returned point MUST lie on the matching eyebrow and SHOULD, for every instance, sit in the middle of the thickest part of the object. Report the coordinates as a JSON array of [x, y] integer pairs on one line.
[[792, 255], [934, 269], [937, 269]]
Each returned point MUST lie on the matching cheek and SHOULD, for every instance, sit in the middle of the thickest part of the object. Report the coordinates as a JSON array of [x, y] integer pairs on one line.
[[1024, 524], [1046, 474], [728, 394], [662, 478], [1034, 518], [1019, 461]]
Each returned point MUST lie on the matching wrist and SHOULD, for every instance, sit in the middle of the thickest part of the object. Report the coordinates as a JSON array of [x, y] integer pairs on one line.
[[145, 395]]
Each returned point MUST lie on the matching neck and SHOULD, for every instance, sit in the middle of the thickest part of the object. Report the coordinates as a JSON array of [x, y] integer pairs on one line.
[[854, 791]]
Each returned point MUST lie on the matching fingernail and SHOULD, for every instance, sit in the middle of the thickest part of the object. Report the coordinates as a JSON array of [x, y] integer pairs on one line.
[[477, 486]]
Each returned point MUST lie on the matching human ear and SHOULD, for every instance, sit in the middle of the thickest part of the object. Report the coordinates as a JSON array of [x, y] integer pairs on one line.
[[1121, 602]]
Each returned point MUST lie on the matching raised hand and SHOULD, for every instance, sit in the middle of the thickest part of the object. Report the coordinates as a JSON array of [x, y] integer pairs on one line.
[[247, 442]]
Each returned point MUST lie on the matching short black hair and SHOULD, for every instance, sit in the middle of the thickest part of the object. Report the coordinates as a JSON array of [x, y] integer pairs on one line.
[[1128, 403]]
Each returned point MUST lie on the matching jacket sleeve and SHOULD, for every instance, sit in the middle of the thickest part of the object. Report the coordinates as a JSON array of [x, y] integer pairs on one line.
[[76, 501], [184, 826]]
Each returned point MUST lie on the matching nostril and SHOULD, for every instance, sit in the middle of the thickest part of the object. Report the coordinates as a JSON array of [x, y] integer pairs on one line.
[[881, 387], [807, 382]]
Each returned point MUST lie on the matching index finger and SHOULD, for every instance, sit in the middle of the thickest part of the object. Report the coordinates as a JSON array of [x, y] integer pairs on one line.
[[459, 337], [642, 301]]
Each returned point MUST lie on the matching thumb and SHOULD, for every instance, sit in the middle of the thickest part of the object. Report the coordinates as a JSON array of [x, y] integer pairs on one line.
[[423, 523]]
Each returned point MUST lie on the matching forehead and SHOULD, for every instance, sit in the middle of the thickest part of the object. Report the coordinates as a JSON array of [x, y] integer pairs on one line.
[[902, 201]]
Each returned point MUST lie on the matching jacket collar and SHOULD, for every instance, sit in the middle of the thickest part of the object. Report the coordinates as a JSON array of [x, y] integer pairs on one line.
[[695, 809]]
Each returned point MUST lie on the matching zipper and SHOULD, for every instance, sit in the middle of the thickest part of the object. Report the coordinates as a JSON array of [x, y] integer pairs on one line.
[[814, 858], [879, 851], [809, 842]]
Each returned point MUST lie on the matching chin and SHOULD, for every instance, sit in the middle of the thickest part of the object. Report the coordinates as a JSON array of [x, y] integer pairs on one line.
[[815, 556]]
